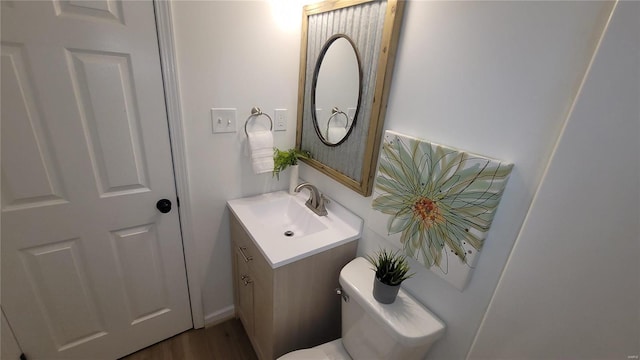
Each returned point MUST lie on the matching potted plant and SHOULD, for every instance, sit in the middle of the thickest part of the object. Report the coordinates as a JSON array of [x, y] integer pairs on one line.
[[285, 159], [391, 269]]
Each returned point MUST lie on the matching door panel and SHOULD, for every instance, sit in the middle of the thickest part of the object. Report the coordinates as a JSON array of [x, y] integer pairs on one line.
[[39, 183], [111, 121], [94, 10], [146, 291], [90, 268], [56, 270]]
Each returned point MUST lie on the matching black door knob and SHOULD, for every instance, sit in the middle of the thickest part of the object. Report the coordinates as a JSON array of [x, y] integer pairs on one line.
[[164, 205]]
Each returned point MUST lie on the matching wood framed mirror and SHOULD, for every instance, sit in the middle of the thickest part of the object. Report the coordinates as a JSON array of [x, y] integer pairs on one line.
[[372, 27]]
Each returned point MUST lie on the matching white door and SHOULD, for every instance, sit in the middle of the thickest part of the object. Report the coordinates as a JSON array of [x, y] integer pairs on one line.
[[9, 348], [90, 268]]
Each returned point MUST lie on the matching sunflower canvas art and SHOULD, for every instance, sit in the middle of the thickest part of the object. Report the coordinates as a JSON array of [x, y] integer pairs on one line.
[[437, 203]]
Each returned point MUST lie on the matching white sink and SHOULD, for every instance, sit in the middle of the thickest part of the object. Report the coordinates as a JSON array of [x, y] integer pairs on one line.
[[286, 214], [285, 230]]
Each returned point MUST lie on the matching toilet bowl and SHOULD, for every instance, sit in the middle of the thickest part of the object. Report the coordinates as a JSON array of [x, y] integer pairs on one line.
[[404, 329]]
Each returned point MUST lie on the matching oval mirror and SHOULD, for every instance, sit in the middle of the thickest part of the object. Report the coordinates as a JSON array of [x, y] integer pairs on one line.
[[336, 90]]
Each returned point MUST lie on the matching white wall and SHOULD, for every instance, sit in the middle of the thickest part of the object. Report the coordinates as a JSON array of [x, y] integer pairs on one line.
[[571, 288], [231, 54], [496, 78]]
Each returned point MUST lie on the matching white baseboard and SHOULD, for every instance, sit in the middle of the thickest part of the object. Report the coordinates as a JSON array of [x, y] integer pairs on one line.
[[219, 316]]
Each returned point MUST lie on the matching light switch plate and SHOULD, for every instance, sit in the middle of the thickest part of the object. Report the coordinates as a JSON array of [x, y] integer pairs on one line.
[[280, 119], [223, 120]]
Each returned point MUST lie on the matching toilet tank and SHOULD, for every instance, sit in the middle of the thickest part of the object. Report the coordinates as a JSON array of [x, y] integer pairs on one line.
[[371, 330]]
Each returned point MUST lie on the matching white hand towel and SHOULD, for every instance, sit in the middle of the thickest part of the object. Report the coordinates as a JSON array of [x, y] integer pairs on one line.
[[335, 134], [261, 151]]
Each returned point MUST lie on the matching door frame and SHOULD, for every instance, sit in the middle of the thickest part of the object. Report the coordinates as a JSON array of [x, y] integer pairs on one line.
[[166, 43]]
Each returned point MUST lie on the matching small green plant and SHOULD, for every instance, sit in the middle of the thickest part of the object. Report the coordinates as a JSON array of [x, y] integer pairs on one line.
[[284, 159], [391, 267]]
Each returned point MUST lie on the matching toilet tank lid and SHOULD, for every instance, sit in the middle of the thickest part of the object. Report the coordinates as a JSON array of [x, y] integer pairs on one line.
[[408, 320]]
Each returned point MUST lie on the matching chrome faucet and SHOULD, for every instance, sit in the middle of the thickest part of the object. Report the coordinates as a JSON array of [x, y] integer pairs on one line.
[[316, 200]]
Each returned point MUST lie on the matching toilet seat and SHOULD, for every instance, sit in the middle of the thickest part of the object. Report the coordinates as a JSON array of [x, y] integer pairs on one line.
[[333, 350]]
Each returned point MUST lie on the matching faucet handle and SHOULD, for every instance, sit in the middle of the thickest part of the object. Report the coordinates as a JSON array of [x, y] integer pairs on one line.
[[325, 200]]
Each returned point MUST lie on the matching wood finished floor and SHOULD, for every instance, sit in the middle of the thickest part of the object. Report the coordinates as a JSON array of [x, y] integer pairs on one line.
[[225, 341]]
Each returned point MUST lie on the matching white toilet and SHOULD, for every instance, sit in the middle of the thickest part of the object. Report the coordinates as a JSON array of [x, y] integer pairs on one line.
[[371, 330]]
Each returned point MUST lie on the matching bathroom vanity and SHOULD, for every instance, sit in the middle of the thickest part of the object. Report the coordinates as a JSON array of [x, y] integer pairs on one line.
[[288, 302]]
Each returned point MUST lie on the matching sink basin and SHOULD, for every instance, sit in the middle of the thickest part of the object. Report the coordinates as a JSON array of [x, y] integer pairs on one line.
[[285, 230], [286, 215]]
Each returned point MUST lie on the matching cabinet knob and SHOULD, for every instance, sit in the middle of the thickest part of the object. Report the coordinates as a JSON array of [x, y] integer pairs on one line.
[[246, 280]]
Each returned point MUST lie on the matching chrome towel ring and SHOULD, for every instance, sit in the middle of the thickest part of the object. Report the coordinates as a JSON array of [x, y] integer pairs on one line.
[[335, 112], [255, 112]]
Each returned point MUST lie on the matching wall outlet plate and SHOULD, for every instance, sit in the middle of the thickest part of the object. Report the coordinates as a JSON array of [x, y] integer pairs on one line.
[[280, 120], [223, 120]]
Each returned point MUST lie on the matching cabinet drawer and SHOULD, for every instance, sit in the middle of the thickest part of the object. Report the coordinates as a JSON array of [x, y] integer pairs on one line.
[[249, 253]]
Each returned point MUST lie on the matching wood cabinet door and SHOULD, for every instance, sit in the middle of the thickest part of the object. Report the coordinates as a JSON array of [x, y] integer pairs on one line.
[[244, 291], [264, 331]]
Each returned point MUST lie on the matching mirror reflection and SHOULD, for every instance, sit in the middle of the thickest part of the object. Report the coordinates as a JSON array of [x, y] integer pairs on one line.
[[336, 90]]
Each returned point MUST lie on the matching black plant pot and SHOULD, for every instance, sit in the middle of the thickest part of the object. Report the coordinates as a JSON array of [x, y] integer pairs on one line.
[[384, 293]]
